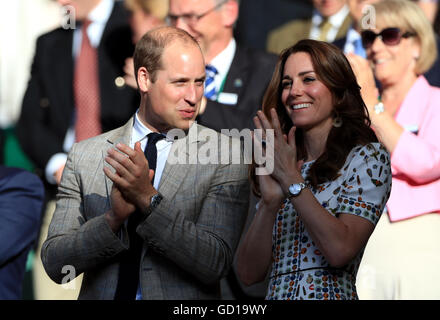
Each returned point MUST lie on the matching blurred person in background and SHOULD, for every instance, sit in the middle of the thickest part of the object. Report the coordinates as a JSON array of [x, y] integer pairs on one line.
[[430, 8], [21, 202], [76, 90], [238, 75], [274, 13], [144, 15], [363, 15], [21, 22], [330, 21], [402, 258]]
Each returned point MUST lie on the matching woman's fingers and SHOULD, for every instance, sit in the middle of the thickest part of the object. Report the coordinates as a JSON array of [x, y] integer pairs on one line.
[[291, 137], [276, 123]]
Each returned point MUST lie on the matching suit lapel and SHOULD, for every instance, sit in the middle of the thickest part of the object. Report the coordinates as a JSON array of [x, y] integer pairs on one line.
[[238, 74], [121, 135], [174, 174], [61, 60]]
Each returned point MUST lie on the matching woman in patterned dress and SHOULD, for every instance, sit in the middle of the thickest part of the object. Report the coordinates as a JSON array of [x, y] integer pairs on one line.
[[330, 181]]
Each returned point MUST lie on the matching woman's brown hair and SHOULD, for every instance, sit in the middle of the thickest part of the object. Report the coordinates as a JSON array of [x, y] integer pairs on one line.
[[334, 71]]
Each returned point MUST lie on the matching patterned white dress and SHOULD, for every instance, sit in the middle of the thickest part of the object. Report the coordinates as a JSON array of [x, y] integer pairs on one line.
[[299, 270]]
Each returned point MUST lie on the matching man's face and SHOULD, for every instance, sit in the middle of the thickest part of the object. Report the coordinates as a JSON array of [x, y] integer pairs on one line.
[[142, 22], [82, 7], [173, 100], [328, 8], [205, 29]]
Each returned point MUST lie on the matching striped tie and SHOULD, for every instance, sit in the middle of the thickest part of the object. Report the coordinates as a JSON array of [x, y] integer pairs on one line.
[[210, 90]]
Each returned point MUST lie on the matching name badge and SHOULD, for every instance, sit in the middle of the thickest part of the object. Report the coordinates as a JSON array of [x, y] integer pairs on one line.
[[228, 98]]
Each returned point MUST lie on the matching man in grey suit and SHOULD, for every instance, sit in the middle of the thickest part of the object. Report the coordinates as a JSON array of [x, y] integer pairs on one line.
[[234, 91], [187, 216]]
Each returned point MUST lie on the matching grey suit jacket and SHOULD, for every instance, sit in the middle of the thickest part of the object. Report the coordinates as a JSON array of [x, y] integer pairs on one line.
[[189, 239]]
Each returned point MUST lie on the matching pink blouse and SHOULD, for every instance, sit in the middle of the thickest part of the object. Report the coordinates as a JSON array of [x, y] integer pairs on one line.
[[415, 161]]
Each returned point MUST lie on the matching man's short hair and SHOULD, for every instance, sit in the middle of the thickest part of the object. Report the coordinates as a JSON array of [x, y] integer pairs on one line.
[[150, 47]]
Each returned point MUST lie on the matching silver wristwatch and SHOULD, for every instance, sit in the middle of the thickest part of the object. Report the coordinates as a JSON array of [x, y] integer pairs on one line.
[[296, 188], [154, 202]]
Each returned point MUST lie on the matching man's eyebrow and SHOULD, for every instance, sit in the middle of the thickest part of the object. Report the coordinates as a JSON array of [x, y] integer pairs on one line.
[[186, 79], [179, 79]]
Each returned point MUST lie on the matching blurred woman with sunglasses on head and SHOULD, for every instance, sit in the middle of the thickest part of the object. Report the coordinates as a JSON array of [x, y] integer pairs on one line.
[[402, 258]]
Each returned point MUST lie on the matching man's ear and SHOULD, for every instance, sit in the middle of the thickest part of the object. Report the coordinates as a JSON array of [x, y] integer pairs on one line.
[[230, 13], [143, 78]]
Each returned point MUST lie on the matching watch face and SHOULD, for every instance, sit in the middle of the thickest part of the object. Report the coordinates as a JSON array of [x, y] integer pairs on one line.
[[295, 189]]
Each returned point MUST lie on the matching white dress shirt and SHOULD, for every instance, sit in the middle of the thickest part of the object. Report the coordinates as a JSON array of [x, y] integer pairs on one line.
[[350, 47], [140, 133], [336, 21], [222, 62]]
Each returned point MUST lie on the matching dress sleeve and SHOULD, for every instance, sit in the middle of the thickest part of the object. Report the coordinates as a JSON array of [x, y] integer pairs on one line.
[[367, 182]]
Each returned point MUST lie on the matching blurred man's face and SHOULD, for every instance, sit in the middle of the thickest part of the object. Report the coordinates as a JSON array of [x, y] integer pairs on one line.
[[142, 22], [328, 8], [205, 28], [82, 7]]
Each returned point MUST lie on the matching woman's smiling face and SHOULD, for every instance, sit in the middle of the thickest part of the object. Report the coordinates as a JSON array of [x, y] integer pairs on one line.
[[308, 102]]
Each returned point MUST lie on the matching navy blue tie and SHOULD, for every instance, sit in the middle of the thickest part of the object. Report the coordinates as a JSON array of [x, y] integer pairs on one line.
[[130, 260], [151, 150], [210, 90]]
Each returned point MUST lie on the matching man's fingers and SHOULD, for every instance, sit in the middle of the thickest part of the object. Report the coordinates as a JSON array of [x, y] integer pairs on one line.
[[126, 149], [116, 179], [120, 169], [151, 175]]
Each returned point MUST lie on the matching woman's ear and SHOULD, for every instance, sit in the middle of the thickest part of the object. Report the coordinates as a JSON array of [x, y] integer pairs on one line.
[[416, 49]]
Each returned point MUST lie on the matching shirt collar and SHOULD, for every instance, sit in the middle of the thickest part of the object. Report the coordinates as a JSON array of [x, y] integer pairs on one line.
[[352, 35], [99, 17], [101, 12], [140, 131], [336, 20], [223, 60]]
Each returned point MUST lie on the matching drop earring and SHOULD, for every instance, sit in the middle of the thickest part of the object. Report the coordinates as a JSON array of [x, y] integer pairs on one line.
[[337, 122]]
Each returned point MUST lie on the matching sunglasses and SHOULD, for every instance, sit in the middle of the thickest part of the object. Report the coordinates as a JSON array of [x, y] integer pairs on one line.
[[389, 36]]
